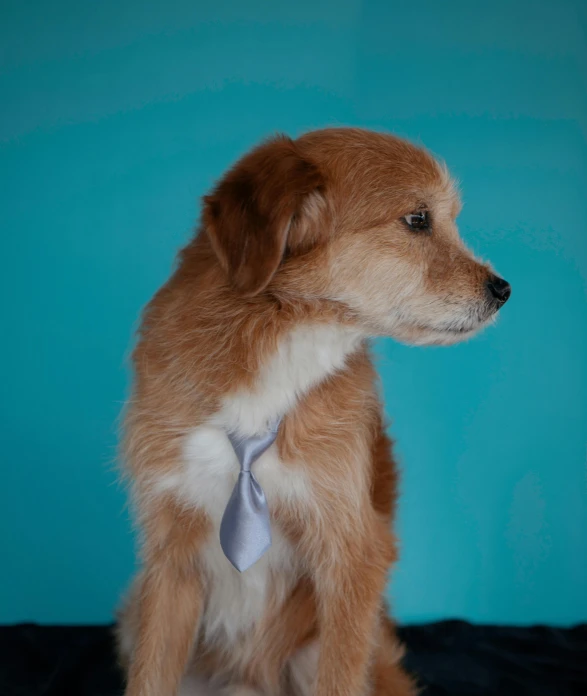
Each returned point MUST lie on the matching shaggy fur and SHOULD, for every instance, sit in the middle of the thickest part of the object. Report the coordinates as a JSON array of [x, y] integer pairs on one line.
[[304, 253]]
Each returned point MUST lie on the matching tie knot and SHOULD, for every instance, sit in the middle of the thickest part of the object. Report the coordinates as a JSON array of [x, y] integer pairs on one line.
[[249, 449]]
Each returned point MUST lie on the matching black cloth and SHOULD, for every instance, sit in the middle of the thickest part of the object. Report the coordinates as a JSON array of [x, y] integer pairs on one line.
[[451, 658]]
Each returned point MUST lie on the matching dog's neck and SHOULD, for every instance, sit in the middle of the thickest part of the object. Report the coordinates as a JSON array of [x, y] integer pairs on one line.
[[252, 359], [304, 357]]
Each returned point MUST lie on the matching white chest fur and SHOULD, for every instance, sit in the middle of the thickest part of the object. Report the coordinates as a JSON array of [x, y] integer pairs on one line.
[[236, 600], [206, 476]]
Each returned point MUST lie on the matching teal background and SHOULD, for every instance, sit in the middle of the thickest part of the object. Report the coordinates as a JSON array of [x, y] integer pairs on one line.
[[117, 116]]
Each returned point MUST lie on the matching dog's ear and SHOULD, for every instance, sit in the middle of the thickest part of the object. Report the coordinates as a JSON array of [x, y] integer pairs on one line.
[[261, 208]]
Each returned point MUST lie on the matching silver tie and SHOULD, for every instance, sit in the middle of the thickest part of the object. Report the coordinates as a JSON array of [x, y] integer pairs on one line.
[[245, 530]]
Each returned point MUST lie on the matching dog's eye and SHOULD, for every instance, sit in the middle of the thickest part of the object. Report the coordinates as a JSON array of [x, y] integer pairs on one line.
[[418, 221]]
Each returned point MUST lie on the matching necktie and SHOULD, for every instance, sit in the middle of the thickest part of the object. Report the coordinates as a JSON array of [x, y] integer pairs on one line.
[[245, 530]]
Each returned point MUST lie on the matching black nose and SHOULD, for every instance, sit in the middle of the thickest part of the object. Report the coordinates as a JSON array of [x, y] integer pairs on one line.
[[499, 289]]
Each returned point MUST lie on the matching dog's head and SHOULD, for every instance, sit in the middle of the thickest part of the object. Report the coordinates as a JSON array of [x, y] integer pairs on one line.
[[356, 218]]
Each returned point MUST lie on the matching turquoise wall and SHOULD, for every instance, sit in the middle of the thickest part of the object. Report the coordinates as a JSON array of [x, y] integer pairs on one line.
[[116, 116]]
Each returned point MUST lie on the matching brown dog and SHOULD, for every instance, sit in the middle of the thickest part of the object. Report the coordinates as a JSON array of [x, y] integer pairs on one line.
[[307, 248]]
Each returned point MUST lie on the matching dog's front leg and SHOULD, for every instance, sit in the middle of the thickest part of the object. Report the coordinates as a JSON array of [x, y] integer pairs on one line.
[[169, 603], [349, 589]]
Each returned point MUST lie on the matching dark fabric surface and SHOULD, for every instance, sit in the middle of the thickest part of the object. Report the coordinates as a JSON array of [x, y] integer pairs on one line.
[[451, 658]]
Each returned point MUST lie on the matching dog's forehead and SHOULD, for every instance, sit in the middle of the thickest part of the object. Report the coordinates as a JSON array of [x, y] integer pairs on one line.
[[368, 150], [384, 169]]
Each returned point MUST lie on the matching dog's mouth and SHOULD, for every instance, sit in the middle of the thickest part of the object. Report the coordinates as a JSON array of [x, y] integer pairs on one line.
[[477, 317], [407, 327], [457, 330], [453, 331], [463, 330]]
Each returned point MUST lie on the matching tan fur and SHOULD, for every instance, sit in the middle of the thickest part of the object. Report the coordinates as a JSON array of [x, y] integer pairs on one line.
[[305, 233]]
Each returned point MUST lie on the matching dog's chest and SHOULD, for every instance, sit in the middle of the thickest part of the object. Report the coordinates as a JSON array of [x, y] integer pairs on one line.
[[209, 471], [236, 601]]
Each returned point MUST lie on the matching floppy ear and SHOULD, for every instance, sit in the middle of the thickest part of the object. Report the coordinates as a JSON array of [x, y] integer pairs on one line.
[[256, 212]]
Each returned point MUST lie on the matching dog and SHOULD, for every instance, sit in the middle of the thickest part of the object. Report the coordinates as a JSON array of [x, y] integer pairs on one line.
[[307, 248]]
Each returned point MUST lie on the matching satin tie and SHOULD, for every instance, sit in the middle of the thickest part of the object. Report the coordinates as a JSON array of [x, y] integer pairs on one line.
[[245, 530]]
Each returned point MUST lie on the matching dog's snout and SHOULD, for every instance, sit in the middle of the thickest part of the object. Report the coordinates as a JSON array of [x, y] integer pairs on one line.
[[499, 289]]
